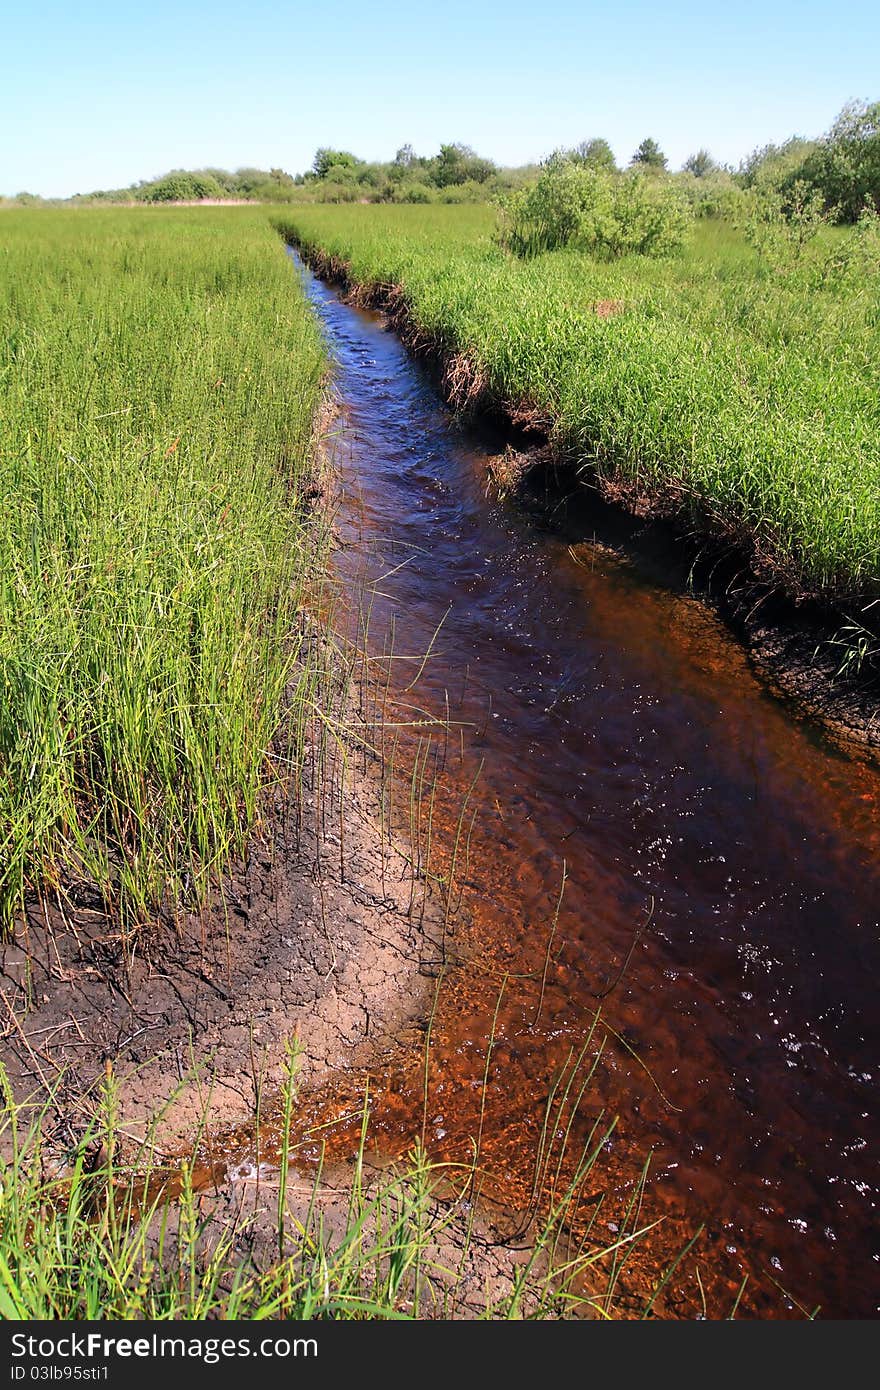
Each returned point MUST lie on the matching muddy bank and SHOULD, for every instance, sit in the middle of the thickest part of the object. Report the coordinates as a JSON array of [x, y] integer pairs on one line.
[[311, 936], [797, 642], [326, 934], [302, 939], [317, 936], [196, 1020]]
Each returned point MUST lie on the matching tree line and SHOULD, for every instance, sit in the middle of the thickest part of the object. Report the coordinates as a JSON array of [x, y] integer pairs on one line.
[[839, 172]]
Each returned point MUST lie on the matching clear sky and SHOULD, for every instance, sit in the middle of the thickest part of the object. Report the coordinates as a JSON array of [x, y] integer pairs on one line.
[[98, 95]]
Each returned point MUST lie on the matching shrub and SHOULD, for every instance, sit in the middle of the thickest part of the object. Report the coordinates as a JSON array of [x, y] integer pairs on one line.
[[856, 263], [779, 225], [551, 213], [469, 192], [332, 191], [415, 193], [608, 215], [772, 167], [180, 187], [648, 218], [845, 166], [458, 164], [711, 195]]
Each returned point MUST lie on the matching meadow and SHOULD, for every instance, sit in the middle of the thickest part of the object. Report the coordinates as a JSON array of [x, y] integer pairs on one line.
[[736, 390], [159, 377]]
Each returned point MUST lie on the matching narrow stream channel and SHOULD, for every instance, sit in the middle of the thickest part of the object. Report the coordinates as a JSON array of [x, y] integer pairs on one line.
[[716, 850]]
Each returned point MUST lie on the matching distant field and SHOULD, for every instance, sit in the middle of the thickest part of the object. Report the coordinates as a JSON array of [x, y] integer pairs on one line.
[[158, 377], [743, 398]]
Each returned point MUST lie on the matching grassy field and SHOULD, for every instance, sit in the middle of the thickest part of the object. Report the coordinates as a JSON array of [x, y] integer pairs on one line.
[[158, 380], [737, 394]]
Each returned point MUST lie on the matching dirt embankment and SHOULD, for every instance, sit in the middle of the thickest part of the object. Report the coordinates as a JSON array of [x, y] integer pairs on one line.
[[798, 643], [194, 1012]]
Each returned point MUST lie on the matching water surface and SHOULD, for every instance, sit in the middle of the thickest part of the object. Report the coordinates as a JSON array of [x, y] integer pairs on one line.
[[712, 843]]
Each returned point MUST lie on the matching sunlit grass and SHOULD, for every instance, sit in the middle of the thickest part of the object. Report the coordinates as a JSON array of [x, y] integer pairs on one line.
[[159, 374], [743, 399]]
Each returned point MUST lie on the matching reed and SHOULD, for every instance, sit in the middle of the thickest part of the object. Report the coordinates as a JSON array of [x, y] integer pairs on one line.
[[122, 1232], [159, 377]]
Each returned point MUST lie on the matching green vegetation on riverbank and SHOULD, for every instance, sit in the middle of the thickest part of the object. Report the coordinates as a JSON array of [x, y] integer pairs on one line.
[[735, 384], [121, 1232], [159, 376]]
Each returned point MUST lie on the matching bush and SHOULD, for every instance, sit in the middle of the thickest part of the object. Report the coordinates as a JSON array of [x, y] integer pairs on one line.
[[779, 225], [856, 263], [332, 192], [459, 164], [845, 166], [414, 193], [551, 213], [711, 195], [774, 166], [180, 187], [469, 192], [648, 218], [608, 215]]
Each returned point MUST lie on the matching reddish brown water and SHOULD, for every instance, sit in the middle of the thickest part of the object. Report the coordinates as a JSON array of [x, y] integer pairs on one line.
[[623, 735]]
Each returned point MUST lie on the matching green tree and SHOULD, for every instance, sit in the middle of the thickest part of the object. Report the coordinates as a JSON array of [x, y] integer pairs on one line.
[[700, 164], [845, 166], [404, 166], [649, 156], [456, 164], [337, 161], [595, 154]]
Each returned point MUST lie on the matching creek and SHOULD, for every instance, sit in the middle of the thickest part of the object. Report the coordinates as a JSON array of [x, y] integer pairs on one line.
[[652, 834]]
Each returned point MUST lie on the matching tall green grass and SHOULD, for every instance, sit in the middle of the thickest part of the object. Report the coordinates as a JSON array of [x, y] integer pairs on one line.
[[159, 373], [740, 396]]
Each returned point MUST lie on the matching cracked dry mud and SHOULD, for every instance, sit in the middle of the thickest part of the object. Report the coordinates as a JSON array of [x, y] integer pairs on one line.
[[196, 1018], [295, 946]]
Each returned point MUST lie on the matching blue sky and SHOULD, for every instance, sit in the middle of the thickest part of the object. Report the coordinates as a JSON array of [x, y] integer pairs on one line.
[[97, 95]]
